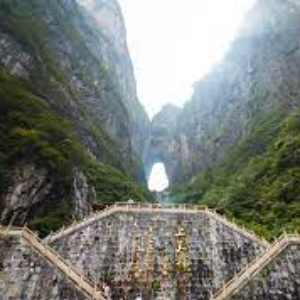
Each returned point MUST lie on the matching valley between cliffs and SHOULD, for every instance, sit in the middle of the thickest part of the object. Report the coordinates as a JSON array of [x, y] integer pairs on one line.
[[235, 144], [72, 129], [75, 137]]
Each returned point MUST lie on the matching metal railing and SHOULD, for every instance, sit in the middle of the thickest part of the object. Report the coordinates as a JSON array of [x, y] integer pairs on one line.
[[258, 264], [82, 283]]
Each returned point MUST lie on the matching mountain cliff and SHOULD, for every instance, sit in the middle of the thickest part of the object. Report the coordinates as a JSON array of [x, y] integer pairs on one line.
[[71, 125], [259, 76], [236, 143], [74, 135], [108, 17], [162, 140]]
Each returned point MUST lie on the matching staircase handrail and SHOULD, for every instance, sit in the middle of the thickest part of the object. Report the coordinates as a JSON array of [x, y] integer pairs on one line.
[[122, 207], [82, 283], [242, 230], [151, 207], [260, 262]]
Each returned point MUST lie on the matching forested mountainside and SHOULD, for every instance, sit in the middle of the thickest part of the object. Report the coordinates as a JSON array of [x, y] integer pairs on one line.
[[74, 135], [236, 143], [259, 180], [72, 130]]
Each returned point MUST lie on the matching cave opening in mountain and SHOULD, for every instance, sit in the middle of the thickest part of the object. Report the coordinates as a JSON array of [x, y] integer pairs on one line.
[[158, 180]]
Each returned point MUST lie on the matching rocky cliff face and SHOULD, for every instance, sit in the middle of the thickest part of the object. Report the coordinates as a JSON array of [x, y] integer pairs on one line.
[[78, 70], [258, 78], [108, 16], [34, 190], [162, 140]]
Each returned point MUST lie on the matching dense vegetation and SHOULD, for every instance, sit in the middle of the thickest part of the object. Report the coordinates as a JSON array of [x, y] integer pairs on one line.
[[259, 181], [31, 133], [26, 23]]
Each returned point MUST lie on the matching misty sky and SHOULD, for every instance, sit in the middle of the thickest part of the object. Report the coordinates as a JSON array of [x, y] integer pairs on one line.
[[158, 179], [173, 43]]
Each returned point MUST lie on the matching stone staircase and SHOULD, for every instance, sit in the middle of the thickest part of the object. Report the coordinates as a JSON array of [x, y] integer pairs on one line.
[[219, 247], [235, 285], [81, 283], [126, 207], [230, 290]]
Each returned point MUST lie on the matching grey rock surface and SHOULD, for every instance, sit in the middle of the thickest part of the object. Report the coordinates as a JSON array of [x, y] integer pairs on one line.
[[78, 64], [16, 60], [30, 187], [82, 69], [34, 192], [259, 77], [108, 16], [161, 142]]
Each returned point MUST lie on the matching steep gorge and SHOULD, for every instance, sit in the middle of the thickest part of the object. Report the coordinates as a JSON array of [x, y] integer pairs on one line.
[[235, 144], [75, 139], [74, 135], [259, 76]]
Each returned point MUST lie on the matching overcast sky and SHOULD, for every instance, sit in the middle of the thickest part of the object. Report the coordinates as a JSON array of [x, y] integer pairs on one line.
[[173, 43]]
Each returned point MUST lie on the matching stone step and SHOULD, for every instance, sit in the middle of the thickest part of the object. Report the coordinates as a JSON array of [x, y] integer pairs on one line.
[[123, 207], [238, 282], [83, 284]]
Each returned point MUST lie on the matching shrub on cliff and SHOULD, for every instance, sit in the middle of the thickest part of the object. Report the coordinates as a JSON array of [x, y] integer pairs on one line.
[[32, 133], [259, 181]]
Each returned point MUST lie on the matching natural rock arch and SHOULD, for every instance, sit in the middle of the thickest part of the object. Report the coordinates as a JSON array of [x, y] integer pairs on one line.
[[161, 142]]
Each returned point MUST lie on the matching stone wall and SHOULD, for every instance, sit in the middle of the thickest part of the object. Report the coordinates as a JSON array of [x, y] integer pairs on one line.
[[163, 254], [182, 255], [26, 275], [279, 280]]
